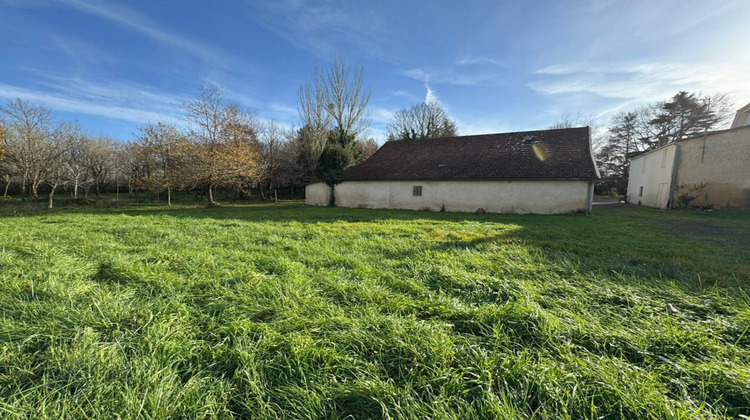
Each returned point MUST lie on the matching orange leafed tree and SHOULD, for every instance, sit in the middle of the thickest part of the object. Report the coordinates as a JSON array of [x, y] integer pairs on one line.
[[224, 150]]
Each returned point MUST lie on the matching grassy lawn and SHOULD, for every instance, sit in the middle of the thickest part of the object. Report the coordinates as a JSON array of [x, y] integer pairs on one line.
[[285, 311]]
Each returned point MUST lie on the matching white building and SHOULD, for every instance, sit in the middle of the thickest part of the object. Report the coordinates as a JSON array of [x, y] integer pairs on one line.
[[712, 169], [742, 118], [549, 171]]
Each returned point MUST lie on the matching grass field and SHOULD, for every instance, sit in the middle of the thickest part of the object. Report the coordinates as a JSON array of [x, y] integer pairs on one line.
[[284, 311]]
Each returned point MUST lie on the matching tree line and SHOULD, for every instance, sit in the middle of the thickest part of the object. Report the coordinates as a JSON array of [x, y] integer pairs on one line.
[[220, 146], [223, 146]]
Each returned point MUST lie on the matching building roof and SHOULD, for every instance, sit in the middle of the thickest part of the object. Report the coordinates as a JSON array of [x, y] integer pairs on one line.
[[545, 154], [742, 118]]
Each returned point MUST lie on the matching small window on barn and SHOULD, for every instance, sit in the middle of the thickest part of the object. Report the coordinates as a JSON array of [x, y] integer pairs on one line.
[[416, 191], [643, 168], [640, 191], [664, 159]]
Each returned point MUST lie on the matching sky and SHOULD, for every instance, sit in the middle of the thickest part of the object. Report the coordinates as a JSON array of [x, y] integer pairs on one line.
[[494, 65]]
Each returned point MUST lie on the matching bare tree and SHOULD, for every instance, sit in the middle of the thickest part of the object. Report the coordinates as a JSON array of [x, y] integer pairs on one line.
[[425, 120], [28, 128], [572, 121], [333, 110], [6, 168], [312, 104], [121, 164], [160, 154], [3, 148], [58, 149], [346, 98], [77, 157], [99, 161], [274, 142]]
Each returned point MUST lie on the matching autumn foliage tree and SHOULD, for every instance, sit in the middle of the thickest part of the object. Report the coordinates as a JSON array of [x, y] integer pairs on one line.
[[160, 158], [224, 150]]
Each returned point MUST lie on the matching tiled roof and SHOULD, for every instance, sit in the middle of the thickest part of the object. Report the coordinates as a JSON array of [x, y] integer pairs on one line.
[[545, 154]]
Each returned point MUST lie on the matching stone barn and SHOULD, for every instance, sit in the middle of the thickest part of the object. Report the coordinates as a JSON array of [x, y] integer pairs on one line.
[[547, 171]]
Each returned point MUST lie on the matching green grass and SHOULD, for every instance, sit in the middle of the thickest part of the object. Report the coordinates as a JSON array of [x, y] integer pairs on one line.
[[285, 311]]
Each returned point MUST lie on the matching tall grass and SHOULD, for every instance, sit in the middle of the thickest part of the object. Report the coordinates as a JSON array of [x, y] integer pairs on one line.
[[293, 312]]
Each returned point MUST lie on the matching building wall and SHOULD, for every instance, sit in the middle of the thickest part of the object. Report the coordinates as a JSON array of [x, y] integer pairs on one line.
[[650, 177], [496, 196], [720, 164], [742, 117], [317, 194]]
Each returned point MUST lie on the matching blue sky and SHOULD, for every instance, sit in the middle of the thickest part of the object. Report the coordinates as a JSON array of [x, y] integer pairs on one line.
[[495, 65]]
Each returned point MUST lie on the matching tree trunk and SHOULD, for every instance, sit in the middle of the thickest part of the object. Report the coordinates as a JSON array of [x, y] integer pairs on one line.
[[50, 198], [34, 189], [211, 201], [169, 196], [23, 184], [7, 186]]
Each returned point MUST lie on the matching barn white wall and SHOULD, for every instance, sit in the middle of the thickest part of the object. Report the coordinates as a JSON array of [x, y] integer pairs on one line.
[[317, 194], [651, 171], [721, 162], [498, 196]]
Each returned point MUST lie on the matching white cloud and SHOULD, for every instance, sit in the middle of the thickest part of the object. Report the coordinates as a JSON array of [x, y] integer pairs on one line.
[[453, 76], [114, 100], [321, 27], [135, 21], [641, 83], [430, 96], [380, 115], [478, 60]]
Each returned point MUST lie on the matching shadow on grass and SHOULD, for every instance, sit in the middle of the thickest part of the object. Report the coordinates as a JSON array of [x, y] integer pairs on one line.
[[284, 212]]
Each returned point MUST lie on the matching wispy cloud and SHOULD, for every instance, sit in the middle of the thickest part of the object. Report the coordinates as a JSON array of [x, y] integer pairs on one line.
[[470, 60], [452, 75], [400, 94], [135, 21], [430, 96], [644, 82], [283, 114], [114, 100], [380, 115], [321, 27]]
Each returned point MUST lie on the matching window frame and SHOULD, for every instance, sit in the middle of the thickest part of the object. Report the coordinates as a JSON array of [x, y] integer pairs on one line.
[[416, 191]]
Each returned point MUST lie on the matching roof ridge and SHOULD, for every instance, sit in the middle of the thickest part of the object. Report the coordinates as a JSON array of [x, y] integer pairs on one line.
[[490, 134]]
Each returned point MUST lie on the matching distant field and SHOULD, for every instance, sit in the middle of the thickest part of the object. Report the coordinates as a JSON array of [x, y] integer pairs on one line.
[[285, 311]]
